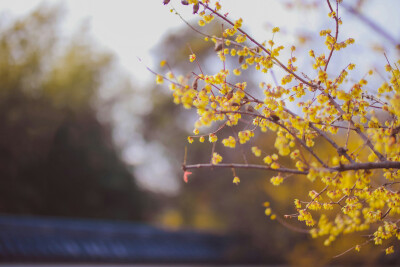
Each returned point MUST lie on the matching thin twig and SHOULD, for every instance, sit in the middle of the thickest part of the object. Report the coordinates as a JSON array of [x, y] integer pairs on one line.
[[386, 213], [291, 227], [314, 198], [336, 33], [350, 249]]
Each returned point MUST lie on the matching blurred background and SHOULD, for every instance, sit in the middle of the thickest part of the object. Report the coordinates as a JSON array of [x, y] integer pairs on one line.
[[86, 134]]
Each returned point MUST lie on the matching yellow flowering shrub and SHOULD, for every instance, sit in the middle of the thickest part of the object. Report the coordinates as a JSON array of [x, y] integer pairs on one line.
[[358, 187]]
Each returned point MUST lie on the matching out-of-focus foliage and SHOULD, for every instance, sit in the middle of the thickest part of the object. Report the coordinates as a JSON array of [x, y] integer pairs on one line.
[[55, 157]]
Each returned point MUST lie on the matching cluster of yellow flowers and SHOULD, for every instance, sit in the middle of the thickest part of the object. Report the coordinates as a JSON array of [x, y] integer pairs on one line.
[[229, 142], [359, 204]]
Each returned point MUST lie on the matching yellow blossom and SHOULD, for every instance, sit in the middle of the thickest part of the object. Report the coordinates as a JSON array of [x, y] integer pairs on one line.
[[268, 211], [159, 79], [240, 38], [236, 180], [275, 165], [256, 151], [216, 158], [229, 142], [277, 180], [389, 250], [237, 72], [212, 138], [238, 23], [268, 160], [275, 29]]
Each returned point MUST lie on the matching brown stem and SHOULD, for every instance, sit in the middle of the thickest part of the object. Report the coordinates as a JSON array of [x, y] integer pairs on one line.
[[243, 166], [350, 249], [336, 33], [340, 168], [291, 227], [386, 213]]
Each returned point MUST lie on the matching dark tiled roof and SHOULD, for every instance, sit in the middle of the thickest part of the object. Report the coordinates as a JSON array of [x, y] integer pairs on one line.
[[69, 240]]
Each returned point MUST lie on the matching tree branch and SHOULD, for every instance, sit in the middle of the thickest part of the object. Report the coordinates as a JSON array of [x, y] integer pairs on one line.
[[340, 168], [242, 166], [336, 33]]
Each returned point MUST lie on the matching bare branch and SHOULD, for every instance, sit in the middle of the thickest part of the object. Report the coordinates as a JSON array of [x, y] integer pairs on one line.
[[291, 227], [350, 249], [242, 166], [386, 213], [340, 168]]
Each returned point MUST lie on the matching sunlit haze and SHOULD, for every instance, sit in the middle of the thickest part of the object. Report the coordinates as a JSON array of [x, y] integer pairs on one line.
[[132, 29]]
